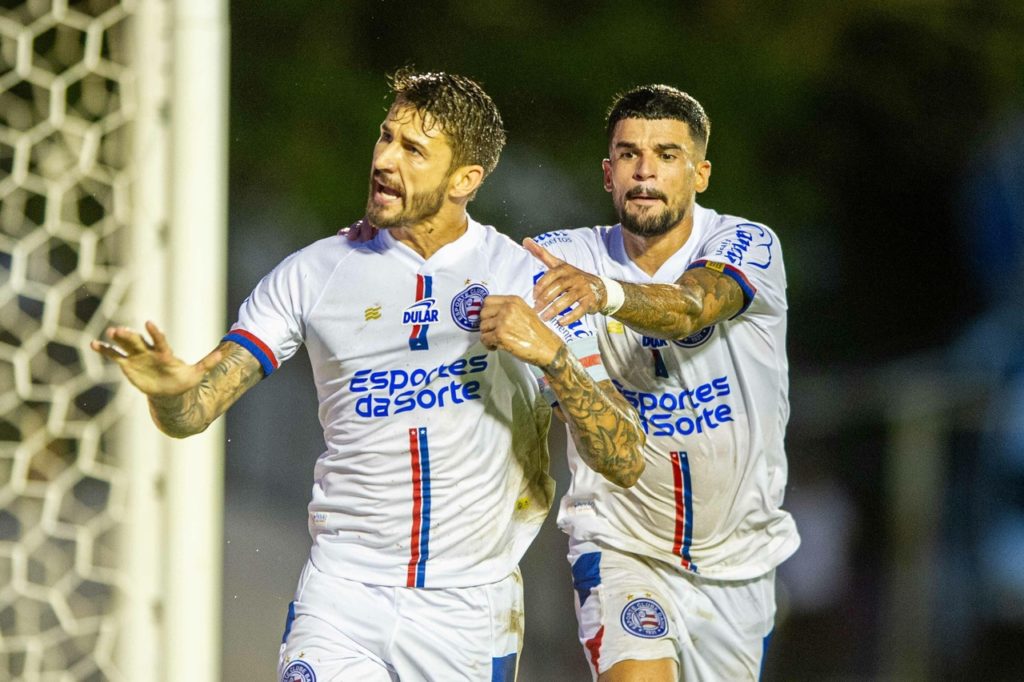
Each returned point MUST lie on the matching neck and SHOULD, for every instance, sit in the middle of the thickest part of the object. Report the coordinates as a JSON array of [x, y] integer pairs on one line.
[[650, 253], [427, 236]]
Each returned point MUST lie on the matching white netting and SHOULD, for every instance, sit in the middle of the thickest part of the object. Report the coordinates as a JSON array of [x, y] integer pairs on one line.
[[65, 106]]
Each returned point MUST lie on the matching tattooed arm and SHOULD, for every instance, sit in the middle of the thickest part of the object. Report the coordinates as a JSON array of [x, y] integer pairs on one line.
[[605, 429], [184, 399], [700, 298]]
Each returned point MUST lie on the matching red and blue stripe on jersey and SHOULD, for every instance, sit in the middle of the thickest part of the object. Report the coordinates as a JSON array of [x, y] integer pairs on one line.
[[424, 290], [682, 486], [419, 545], [260, 350]]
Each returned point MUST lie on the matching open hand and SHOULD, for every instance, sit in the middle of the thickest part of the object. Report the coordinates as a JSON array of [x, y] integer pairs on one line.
[[151, 366], [564, 289]]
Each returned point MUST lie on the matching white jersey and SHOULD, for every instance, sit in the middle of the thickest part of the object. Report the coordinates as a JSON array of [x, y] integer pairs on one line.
[[436, 467], [714, 406]]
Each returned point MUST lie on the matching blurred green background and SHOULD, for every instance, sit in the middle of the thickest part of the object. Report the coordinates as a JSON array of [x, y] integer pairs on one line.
[[867, 134]]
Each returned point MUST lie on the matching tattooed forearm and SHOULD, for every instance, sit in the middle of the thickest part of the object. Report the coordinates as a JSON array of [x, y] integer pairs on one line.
[[604, 427], [700, 298], [194, 410]]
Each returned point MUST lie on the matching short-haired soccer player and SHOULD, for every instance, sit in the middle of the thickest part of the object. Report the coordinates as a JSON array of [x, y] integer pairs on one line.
[[434, 378], [675, 576]]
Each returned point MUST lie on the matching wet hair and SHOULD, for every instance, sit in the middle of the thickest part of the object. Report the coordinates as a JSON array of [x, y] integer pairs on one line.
[[661, 101], [460, 108]]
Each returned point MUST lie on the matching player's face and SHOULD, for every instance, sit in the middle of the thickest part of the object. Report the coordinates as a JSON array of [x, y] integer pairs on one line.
[[410, 172], [653, 173]]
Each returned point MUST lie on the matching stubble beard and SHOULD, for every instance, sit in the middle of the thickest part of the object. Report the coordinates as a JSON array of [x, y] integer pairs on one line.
[[422, 205], [650, 223]]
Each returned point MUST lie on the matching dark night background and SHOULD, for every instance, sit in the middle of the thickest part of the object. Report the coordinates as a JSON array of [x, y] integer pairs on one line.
[[883, 141]]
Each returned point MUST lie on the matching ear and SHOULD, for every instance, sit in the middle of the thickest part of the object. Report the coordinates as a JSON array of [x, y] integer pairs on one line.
[[465, 180], [606, 166], [703, 176]]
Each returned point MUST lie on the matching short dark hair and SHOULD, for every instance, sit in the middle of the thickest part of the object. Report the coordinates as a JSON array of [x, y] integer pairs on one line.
[[464, 112], [661, 101]]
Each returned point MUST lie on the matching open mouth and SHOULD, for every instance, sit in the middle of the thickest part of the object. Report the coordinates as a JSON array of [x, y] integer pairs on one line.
[[385, 194]]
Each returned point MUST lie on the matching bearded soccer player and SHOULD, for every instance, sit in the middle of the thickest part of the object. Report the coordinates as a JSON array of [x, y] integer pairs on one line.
[[434, 378], [675, 576]]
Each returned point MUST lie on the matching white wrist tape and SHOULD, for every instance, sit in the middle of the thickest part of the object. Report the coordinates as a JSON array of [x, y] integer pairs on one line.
[[614, 296]]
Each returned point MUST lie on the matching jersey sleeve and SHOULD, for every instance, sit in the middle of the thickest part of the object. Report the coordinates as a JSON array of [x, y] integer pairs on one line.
[[270, 321], [751, 255]]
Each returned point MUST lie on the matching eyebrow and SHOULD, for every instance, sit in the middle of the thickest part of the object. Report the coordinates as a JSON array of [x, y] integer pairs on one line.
[[419, 144], [663, 147]]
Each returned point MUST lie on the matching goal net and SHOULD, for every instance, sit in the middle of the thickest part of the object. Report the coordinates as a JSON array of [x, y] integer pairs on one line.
[[93, 549]]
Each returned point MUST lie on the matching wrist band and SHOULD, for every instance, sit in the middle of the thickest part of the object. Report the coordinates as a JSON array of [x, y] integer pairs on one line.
[[614, 296]]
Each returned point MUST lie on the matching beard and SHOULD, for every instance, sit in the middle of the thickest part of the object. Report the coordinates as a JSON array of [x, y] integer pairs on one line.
[[649, 223], [421, 205]]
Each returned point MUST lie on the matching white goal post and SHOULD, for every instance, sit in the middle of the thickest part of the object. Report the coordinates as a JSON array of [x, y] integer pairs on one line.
[[113, 118]]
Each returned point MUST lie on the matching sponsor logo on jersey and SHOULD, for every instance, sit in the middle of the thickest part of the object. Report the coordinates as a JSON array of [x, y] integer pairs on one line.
[[555, 237], [466, 306], [644, 618], [691, 341], [298, 671], [372, 313], [751, 243], [421, 312], [682, 412], [694, 340], [387, 392]]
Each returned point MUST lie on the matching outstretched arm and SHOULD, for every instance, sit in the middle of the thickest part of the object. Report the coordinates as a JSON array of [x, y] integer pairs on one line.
[[605, 429], [184, 399], [700, 298]]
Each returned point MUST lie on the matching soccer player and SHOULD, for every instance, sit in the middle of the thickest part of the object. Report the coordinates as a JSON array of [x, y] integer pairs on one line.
[[434, 480], [675, 576]]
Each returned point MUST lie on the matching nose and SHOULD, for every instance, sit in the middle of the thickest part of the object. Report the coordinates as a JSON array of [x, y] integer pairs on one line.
[[644, 167], [384, 156]]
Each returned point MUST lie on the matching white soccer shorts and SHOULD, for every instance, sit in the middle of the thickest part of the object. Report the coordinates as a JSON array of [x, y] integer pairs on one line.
[[339, 629], [630, 607]]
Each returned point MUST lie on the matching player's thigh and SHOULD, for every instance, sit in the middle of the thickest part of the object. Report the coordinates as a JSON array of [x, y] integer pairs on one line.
[[660, 670], [472, 633], [317, 651], [623, 612], [336, 630], [729, 623]]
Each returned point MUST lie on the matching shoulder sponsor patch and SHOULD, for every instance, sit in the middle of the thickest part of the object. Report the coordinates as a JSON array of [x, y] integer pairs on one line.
[[644, 618], [750, 244], [298, 671], [466, 306]]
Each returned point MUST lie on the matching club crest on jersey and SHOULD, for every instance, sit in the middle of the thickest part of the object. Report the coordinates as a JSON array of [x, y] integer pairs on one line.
[[298, 671], [466, 306], [644, 618], [420, 312], [694, 340]]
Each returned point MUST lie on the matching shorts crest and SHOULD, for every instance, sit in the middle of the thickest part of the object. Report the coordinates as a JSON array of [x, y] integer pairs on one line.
[[644, 618], [298, 671]]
